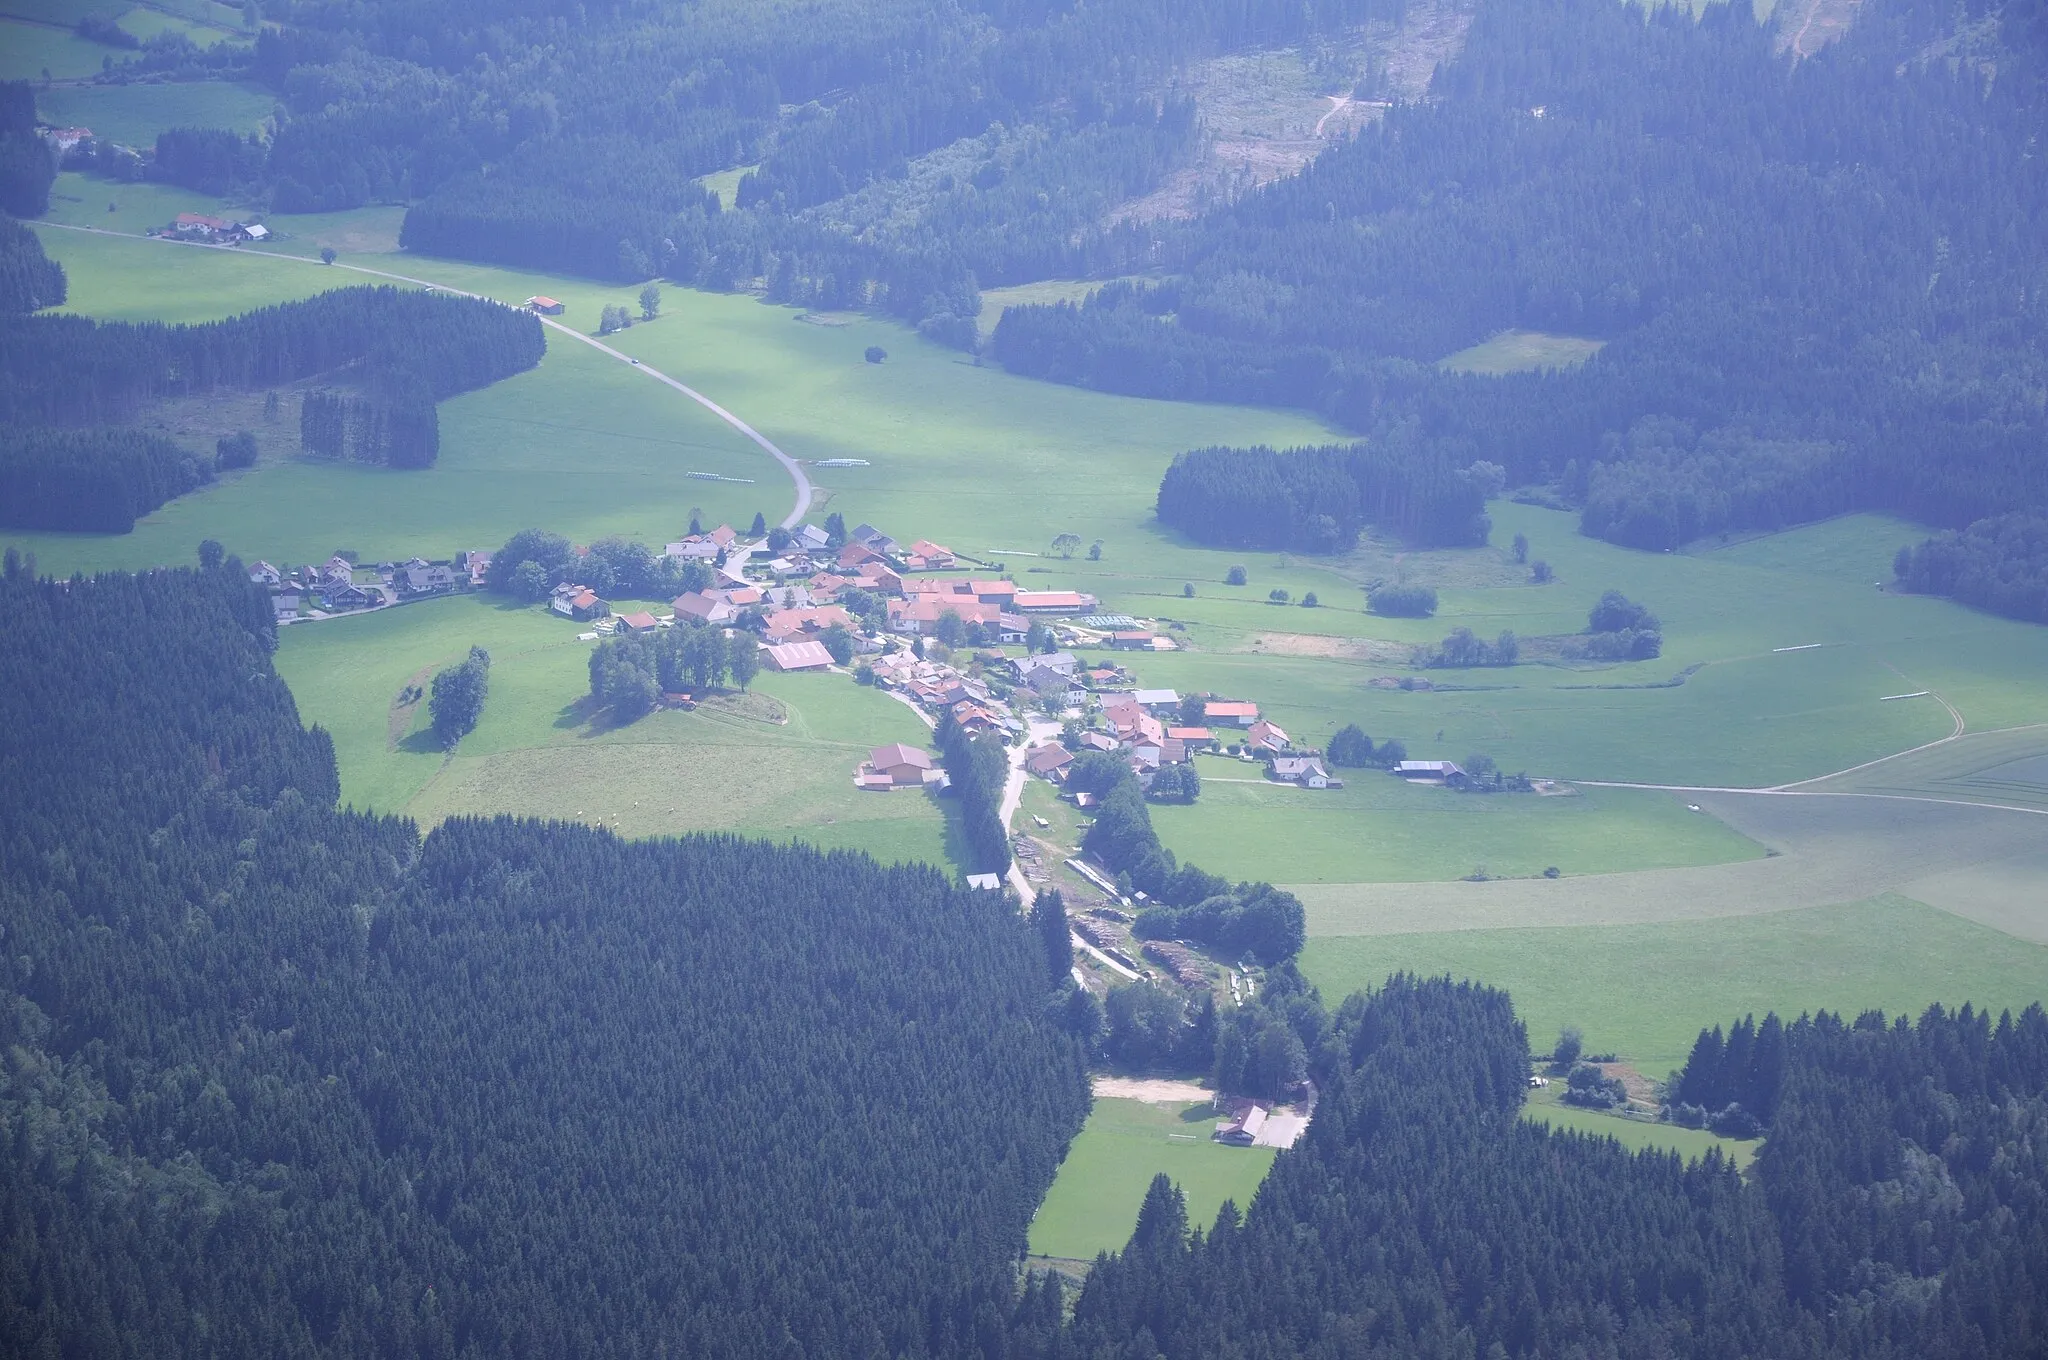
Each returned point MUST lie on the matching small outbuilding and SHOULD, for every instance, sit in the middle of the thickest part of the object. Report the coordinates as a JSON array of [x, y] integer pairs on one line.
[[546, 306]]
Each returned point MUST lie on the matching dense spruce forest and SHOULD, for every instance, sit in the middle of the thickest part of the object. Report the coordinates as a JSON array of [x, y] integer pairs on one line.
[[400, 350], [1899, 1208], [29, 279], [27, 166], [1604, 170], [287, 1080], [2000, 564]]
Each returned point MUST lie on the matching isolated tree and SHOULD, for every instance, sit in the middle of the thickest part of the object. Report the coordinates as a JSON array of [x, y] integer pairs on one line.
[[1236, 576], [1309, 601], [874, 354], [327, 254], [1479, 766], [835, 530], [1391, 752], [1521, 548], [759, 528], [236, 450], [1278, 596], [1037, 638], [211, 553], [650, 302], [457, 699], [614, 317], [1095, 551], [1617, 613], [1187, 590], [1066, 544], [743, 658], [1351, 747], [1540, 572], [1570, 1043], [779, 539], [1049, 917]]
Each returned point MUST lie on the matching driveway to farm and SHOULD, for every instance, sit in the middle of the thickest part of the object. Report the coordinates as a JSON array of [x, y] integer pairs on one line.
[[804, 491]]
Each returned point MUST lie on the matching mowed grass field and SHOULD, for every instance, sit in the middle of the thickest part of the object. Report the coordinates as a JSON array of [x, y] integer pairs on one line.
[[1093, 1205], [1379, 829], [133, 115], [1547, 1107], [1645, 991], [776, 763]]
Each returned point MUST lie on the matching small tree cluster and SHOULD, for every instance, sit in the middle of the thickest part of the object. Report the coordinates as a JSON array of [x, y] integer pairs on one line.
[[457, 698]]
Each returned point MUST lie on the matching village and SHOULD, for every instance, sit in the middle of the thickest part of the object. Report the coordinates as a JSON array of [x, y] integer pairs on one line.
[[1048, 671]]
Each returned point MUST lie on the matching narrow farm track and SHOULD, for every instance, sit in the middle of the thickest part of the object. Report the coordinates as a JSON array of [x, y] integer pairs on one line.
[[804, 491]]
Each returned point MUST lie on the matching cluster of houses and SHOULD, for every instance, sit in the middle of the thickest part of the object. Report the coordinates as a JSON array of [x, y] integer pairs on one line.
[[339, 586], [218, 231], [1147, 727]]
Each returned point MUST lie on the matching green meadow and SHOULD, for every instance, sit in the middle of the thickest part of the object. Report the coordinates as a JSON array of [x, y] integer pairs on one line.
[[1379, 829], [776, 762], [1093, 1205], [1645, 991], [134, 114], [1546, 1108]]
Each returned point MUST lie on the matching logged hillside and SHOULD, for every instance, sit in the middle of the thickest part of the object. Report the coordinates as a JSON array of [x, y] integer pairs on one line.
[[288, 1081]]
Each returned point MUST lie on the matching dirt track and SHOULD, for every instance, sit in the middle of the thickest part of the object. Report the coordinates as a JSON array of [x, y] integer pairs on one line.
[[1152, 1091]]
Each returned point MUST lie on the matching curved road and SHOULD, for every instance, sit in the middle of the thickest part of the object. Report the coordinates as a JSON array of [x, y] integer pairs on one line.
[[804, 492]]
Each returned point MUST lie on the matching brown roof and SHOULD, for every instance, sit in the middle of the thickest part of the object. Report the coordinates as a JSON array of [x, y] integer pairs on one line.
[[896, 753]]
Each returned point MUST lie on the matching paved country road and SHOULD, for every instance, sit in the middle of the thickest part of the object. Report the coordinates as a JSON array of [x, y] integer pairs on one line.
[[798, 509]]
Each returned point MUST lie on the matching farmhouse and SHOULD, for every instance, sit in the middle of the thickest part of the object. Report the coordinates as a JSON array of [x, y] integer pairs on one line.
[[1156, 698], [199, 227], [1306, 771], [1193, 738], [340, 595], [427, 579], [1241, 1129], [1267, 736], [1049, 761], [546, 306], [639, 621], [477, 563], [579, 603], [1439, 771], [1230, 714], [698, 607], [788, 624], [897, 766], [925, 555], [263, 574], [799, 656]]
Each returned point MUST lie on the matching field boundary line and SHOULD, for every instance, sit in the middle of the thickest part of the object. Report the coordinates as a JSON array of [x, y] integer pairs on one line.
[[805, 492]]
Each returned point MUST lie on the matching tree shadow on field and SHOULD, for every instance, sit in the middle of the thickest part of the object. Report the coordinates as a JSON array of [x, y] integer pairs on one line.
[[422, 743], [594, 718]]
